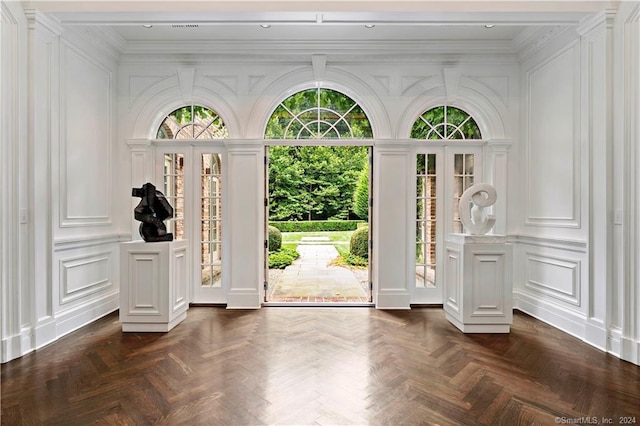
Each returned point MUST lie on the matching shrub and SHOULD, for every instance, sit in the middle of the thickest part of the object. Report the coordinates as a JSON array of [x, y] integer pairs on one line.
[[275, 238], [279, 260], [354, 260], [291, 251], [359, 244], [283, 258], [316, 225]]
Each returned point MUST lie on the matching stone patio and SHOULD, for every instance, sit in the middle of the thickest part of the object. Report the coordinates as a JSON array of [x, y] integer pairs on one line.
[[310, 279]]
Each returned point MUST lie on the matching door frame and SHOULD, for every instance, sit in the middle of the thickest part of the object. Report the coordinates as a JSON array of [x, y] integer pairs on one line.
[[370, 144], [445, 154], [192, 151]]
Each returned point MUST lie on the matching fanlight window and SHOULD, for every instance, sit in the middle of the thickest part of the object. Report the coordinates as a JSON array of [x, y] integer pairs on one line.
[[192, 122], [318, 114], [447, 123]]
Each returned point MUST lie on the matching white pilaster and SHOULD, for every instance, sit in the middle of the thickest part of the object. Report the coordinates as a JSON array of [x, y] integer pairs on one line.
[[498, 175], [141, 172], [44, 67], [392, 220], [630, 340], [245, 192], [13, 215]]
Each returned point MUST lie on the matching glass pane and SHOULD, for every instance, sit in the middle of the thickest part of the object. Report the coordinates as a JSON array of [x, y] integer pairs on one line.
[[430, 276], [458, 188], [468, 182], [431, 164], [318, 114], [468, 164], [192, 122], [420, 232], [431, 186], [420, 187], [445, 122], [420, 274], [211, 218], [458, 164], [420, 169], [421, 212]]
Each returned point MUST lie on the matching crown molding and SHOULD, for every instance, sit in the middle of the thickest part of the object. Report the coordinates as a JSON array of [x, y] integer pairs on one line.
[[263, 48], [533, 39]]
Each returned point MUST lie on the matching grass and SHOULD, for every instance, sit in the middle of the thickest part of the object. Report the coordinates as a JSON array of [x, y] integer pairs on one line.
[[342, 237]]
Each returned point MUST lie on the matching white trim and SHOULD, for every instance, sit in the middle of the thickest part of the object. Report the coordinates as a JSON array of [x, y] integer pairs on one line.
[[571, 322]]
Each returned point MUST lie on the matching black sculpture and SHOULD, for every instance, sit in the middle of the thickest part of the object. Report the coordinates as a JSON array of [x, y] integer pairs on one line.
[[152, 211]]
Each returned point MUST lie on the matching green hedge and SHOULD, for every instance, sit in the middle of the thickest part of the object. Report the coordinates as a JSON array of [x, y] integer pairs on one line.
[[317, 225]]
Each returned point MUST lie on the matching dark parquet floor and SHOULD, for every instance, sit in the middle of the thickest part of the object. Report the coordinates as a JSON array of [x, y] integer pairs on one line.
[[308, 366]]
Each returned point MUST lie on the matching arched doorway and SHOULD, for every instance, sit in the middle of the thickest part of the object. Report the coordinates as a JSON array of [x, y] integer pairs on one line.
[[320, 142]]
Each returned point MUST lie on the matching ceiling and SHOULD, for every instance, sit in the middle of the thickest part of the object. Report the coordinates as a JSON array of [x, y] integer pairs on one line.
[[330, 20]]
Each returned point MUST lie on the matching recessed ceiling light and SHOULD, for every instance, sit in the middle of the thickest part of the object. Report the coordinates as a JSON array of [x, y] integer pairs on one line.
[[489, 26], [147, 25], [369, 25], [265, 25]]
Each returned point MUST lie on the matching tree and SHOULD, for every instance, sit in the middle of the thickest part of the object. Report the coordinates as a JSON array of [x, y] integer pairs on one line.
[[361, 195], [313, 182]]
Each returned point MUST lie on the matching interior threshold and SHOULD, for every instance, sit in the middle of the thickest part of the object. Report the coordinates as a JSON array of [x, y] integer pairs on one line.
[[317, 305]]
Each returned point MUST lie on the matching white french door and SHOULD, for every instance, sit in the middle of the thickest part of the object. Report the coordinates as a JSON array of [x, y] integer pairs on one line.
[[442, 174], [192, 179]]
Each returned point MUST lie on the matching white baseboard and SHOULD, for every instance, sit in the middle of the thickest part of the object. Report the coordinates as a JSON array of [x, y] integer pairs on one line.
[[396, 299], [566, 320], [596, 335], [615, 337], [243, 299], [79, 316], [630, 350]]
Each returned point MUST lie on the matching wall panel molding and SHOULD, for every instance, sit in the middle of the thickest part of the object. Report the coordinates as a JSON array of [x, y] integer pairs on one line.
[[81, 276], [555, 277], [85, 151], [557, 202]]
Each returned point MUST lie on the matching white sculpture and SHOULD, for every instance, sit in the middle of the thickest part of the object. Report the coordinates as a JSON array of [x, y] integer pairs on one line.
[[475, 218]]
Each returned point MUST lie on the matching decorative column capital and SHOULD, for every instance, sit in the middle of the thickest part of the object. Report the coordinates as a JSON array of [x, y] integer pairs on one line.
[[499, 145], [138, 145]]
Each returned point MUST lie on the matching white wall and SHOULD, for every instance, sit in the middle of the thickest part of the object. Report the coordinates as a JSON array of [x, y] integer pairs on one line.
[[246, 87], [571, 269], [13, 193], [66, 226]]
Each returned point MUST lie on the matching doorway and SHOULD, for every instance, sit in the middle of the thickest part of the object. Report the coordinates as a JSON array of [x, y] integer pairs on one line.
[[442, 174], [317, 227]]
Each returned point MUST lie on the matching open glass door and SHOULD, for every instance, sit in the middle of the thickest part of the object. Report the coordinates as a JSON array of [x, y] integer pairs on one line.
[[429, 226], [442, 175], [192, 181]]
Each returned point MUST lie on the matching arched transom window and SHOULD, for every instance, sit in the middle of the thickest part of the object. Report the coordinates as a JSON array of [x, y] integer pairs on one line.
[[445, 122], [318, 114], [192, 122]]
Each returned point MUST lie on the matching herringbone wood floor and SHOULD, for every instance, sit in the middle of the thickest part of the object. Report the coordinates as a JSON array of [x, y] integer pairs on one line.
[[316, 366]]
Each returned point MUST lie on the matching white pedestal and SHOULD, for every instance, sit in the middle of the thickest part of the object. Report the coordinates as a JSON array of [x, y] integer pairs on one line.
[[153, 285], [478, 283]]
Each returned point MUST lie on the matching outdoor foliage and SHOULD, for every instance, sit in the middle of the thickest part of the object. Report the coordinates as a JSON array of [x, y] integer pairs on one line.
[[354, 260], [316, 225], [361, 195], [313, 182], [318, 114], [445, 122], [282, 258], [359, 244], [275, 238]]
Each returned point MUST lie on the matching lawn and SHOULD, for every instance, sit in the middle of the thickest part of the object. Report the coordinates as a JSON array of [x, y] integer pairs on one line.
[[336, 237]]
